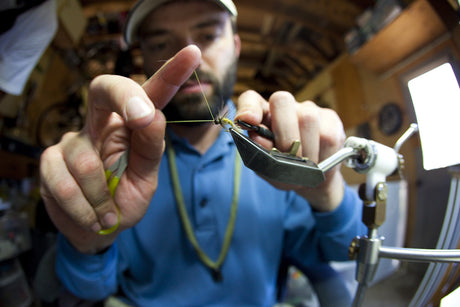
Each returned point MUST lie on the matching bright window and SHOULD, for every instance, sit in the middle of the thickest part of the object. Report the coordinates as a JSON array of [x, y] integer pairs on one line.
[[436, 98]]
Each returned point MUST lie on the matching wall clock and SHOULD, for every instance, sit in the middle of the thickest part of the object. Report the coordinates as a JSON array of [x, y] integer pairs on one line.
[[390, 118]]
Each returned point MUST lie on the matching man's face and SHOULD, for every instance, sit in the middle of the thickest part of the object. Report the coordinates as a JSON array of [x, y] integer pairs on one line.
[[175, 25]]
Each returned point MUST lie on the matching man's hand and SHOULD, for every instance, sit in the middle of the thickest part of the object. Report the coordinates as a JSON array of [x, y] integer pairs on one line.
[[122, 116], [319, 130]]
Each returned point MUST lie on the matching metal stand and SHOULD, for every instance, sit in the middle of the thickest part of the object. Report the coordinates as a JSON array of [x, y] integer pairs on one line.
[[367, 250], [379, 161]]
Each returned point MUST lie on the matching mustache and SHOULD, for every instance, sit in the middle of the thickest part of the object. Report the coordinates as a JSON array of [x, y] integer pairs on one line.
[[202, 77]]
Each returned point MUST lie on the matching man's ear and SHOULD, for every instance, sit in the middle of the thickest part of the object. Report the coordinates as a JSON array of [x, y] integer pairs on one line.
[[237, 41]]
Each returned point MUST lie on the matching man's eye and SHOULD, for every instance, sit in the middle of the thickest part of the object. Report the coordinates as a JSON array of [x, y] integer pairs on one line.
[[209, 37], [157, 46]]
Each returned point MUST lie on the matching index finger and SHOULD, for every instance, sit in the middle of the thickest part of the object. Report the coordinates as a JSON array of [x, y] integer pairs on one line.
[[251, 108], [124, 96], [163, 85]]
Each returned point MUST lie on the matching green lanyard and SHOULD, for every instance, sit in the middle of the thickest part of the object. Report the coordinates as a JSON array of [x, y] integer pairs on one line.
[[214, 266]]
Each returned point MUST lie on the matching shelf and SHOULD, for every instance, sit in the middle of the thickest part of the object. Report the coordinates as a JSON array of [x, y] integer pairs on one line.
[[415, 27]]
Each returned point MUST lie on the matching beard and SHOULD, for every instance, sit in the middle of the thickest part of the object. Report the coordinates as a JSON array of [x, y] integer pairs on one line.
[[194, 107]]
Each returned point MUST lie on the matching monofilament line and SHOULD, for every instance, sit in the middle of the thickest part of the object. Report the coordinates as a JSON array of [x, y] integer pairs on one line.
[[197, 120]]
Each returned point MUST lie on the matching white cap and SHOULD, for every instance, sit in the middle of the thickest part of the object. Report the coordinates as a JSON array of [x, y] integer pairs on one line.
[[143, 7]]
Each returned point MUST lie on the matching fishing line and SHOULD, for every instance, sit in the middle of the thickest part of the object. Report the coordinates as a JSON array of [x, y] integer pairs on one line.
[[218, 121]]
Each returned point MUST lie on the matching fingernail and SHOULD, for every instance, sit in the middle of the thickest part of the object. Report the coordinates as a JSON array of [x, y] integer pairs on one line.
[[110, 219], [136, 107], [242, 113], [96, 227]]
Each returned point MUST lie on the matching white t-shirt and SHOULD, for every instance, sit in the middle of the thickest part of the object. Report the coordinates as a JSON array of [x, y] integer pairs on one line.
[[22, 46]]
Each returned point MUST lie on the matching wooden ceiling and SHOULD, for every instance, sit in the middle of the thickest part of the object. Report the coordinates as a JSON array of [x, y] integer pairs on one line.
[[285, 43]]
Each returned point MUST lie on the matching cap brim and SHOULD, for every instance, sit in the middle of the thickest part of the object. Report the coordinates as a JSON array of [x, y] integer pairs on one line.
[[142, 8]]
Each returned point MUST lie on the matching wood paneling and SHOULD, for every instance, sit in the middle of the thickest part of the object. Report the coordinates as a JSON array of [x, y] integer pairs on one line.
[[418, 25]]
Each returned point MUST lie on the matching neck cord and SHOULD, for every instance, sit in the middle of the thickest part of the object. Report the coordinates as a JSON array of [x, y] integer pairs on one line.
[[214, 266]]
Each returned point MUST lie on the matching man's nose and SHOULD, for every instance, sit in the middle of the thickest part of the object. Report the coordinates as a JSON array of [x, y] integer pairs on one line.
[[185, 41], [188, 39]]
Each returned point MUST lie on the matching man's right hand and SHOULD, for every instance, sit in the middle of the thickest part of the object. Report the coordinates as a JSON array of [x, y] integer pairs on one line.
[[121, 116]]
